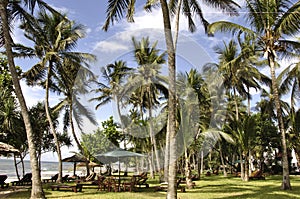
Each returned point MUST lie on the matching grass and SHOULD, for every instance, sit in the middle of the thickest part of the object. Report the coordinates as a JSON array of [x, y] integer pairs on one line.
[[208, 188]]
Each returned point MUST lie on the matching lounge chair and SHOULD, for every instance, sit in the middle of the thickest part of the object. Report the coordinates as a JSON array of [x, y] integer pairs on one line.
[[52, 179], [257, 175], [26, 180], [89, 178], [65, 178], [2, 181], [164, 186], [142, 180]]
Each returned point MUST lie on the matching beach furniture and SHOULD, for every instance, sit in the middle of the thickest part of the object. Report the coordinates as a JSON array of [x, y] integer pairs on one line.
[[65, 178], [89, 178], [26, 180], [257, 175], [75, 188], [142, 180], [164, 186], [52, 179], [2, 181]]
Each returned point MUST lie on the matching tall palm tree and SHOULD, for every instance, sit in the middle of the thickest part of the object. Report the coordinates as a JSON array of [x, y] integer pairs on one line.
[[9, 10], [114, 74], [147, 84], [54, 37], [72, 80], [270, 23]]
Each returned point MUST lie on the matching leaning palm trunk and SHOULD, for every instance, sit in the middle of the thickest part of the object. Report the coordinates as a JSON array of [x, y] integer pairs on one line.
[[242, 167], [246, 175], [188, 171], [37, 190], [153, 140], [16, 167], [167, 154], [59, 179], [172, 191], [73, 129], [285, 165], [222, 160]]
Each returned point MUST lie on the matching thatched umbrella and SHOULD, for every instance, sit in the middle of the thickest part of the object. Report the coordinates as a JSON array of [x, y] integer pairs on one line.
[[6, 149], [91, 165], [75, 158]]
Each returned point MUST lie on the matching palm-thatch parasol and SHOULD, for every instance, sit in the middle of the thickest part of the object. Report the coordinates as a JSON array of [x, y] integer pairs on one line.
[[6, 149], [75, 158]]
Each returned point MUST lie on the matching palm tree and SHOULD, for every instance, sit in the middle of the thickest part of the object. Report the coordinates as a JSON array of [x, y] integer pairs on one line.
[[290, 78], [192, 101], [114, 75], [146, 85], [72, 80], [8, 11], [190, 8], [54, 37], [270, 23]]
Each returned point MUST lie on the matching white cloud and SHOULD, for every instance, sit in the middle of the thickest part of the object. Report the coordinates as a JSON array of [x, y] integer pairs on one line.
[[109, 46]]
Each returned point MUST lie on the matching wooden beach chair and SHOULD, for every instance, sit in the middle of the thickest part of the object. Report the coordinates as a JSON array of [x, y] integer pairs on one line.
[[26, 180], [257, 175], [2, 181]]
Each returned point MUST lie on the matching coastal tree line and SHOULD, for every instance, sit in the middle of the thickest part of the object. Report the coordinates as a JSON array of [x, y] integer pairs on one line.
[[268, 37]]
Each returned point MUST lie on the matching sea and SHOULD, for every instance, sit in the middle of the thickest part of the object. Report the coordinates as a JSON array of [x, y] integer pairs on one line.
[[48, 169]]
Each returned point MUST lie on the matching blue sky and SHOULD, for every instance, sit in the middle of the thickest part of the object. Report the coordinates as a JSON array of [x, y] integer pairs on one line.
[[194, 50]]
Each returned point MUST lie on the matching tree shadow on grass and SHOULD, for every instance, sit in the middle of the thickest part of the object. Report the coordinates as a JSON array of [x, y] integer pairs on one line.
[[233, 191]]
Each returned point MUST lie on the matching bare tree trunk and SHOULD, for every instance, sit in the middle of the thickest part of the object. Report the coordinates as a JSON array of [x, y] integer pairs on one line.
[[222, 161], [73, 129], [250, 163], [246, 175], [37, 190], [242, 167], [150, 162], [167, 155], [172, 190], [202, 163], [153, 140], [188, 172], [177, 17], [16, 167], [286, 184], [59, 179], [23, 165]]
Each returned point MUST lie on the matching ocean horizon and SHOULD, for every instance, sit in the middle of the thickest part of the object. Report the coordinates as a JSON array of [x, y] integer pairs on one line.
[[48, 169]]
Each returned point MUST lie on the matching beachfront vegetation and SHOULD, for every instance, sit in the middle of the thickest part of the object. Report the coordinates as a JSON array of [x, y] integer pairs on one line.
[[202, 122]]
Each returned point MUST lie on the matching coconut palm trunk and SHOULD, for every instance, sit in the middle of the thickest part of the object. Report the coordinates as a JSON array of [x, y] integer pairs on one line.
[[153, 140], [285, 164], [172, 190], [53, 131], [37, 190], [222, 160]]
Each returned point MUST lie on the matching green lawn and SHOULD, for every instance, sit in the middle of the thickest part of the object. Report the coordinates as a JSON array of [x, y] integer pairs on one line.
[[207, 187]]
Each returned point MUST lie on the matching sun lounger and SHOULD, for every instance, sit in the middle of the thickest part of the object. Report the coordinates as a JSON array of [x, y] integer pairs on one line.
[[2, 181], [74, 188], [26, 180], [164, 186], [52, 179], [257, 175]]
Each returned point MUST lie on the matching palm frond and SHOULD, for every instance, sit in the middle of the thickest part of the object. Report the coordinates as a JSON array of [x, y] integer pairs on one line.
[[115, 11]]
